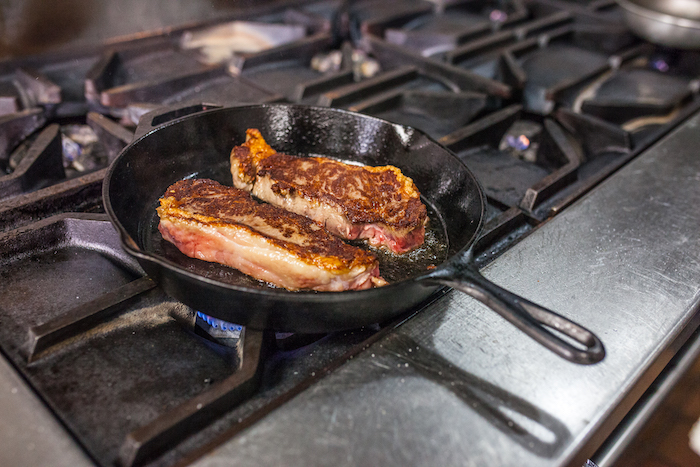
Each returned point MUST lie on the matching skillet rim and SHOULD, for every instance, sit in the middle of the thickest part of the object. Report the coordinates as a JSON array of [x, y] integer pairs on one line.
[[133, 248]]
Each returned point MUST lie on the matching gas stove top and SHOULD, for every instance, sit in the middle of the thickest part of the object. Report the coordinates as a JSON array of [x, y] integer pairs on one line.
[[543, 100]]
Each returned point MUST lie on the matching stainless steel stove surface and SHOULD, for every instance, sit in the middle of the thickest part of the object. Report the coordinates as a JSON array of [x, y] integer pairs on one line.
[[582, 136]]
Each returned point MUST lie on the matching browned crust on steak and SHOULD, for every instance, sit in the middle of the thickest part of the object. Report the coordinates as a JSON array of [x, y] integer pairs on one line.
[[213, 204], [249, 154], [366, 195]]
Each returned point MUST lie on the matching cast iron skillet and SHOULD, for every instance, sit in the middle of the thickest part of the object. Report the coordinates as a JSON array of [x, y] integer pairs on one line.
[[199, 145]]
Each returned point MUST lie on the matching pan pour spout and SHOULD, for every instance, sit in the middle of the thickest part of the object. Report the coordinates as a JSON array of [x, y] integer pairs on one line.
[[541, 324]]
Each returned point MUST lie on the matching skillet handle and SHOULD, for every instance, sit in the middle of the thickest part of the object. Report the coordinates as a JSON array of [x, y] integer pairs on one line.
[[165, 114], [538, 322]]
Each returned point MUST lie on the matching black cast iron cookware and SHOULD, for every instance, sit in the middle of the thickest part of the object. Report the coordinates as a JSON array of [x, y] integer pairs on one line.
[[199, 145]]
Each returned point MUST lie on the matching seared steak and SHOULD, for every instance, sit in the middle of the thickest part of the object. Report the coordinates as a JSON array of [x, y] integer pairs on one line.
[[379, 204], [212, 222]]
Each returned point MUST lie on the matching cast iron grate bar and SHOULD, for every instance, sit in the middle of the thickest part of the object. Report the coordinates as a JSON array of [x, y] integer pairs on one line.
[[149, 441], [562, 176], [379, 103], [42, 162], [493, 43], [314, 22], [554, 20], [442, 105], [635, 51], [599, 58], [511, 71], [466, 80], [82, 194], [439, 112], [301, 50], [38, 89], [354, 92], [487, 130], [596, 135], [322, 84], [391, 19], [157, 89], [101, 75], [414, 35], [113, 136], [83, 317], [16, 127], [149, 68]]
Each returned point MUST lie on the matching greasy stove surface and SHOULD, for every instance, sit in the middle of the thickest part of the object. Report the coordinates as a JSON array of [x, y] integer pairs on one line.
[[543, 100]]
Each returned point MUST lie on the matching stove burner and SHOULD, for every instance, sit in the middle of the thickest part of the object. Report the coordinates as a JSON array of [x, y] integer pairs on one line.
[[81, 149], [522, 140], [34, 164], [512, 176]]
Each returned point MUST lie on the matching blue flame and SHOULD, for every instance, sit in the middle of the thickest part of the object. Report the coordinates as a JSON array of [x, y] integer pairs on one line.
[[498, 16], [520, 143], [660, 65], [218, 325]]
